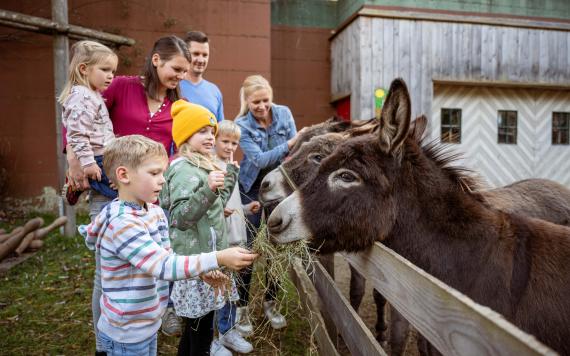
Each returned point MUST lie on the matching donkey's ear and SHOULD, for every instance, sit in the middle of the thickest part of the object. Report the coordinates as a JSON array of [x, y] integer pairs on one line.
[[338, 124], [418, 128], [395, 118], [335, 119]]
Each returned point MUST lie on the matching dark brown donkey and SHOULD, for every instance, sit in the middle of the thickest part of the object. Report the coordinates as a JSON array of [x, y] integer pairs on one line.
[[389, 187]]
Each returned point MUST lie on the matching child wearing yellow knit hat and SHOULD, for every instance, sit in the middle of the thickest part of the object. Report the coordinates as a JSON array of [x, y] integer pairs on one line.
[[189, 118], [195, 193]]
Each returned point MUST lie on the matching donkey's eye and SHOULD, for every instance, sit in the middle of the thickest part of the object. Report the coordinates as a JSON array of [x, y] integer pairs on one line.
[[317, 158], [347, 177], [344, 178]]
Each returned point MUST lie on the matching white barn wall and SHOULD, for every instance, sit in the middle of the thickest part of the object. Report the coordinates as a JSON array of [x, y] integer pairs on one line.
[[501, 164]]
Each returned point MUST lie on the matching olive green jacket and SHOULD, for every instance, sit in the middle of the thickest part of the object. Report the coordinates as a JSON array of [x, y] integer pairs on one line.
[[196, 214]]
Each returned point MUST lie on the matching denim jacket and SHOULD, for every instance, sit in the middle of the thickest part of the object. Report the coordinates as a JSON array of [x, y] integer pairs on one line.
[[255, 141]]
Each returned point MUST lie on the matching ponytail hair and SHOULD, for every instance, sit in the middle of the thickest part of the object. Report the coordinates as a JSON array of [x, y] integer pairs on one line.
[[250, 85], [166, 48], [86, 53]]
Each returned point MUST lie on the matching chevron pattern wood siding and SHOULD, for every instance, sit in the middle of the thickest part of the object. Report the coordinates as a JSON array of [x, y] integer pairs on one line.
[[501, 164], [553, 160]]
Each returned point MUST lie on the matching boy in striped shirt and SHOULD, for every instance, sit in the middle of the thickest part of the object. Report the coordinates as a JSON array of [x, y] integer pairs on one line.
[[131, 236]]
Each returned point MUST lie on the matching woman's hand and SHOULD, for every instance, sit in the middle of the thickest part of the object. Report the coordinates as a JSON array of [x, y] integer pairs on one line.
[[93, 171], [235, 258], [216, 180], [294, 139], [77, 178]]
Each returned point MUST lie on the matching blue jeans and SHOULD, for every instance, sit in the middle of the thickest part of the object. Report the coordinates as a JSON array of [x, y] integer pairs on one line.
[[113, 348], [226, 317], [104, 186]]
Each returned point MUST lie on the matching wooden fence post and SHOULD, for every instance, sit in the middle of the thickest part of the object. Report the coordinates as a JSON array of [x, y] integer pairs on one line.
[[327, 261], [60, 66], [309, 301]]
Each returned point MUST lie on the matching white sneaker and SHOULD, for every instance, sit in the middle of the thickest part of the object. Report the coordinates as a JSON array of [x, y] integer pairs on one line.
[[233, 340], [243, 324], [277, 320], [217, 349], [171, 325]]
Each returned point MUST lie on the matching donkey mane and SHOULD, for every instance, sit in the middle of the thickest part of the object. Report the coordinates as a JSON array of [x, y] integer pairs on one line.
[[464, 179]]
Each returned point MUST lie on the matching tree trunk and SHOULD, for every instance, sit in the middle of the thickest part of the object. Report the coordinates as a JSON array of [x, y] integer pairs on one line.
[[39, 234], [35, 245], [14, 241], [6, 237]]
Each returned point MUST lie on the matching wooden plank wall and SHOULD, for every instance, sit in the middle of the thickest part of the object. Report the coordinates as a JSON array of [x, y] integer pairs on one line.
[[372, 51]]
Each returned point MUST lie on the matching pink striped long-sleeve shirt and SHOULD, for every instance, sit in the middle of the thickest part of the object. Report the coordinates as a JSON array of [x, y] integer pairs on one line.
[[136, 263], [87, 123]]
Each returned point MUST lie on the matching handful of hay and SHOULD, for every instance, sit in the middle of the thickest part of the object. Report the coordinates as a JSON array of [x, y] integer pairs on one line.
[[271, 275], [279, 257]]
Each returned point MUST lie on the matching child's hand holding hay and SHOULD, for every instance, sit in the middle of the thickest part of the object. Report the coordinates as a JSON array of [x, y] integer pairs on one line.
[[217, 280], [235, 258]]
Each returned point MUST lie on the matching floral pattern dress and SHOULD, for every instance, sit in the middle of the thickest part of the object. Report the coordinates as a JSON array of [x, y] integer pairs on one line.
[[194, 298]]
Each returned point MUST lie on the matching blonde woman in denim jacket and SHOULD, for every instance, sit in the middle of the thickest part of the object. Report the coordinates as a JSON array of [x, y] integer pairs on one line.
[[267, 133]]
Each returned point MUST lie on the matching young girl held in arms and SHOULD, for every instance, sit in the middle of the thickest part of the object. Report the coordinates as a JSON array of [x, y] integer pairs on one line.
[[85, 115]]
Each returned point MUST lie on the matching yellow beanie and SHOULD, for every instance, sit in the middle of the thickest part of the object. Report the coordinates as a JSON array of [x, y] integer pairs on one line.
[[188, 118]]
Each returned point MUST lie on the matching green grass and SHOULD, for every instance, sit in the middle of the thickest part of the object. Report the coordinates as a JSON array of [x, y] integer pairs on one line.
[[45, 306]]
